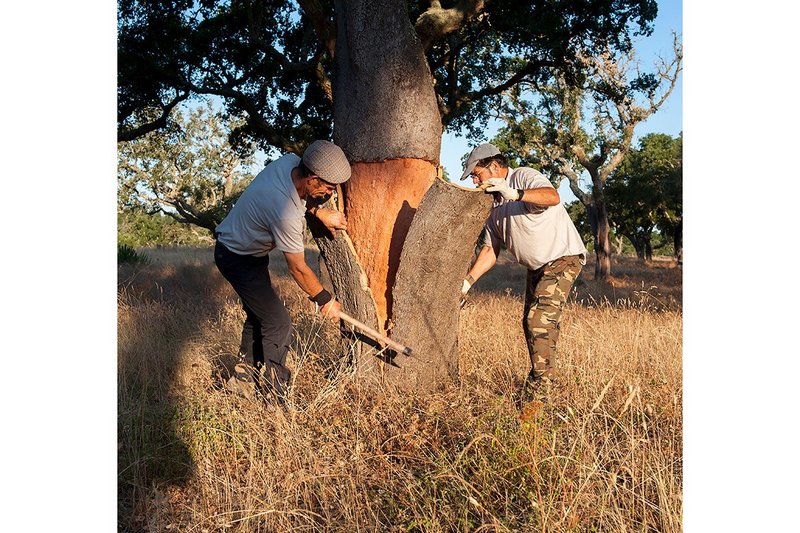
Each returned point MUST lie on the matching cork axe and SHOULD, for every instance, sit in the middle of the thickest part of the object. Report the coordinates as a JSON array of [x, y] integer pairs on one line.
[[396, 346]]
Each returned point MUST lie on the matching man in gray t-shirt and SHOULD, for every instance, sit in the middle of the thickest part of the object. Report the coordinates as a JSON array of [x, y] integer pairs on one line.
[[270, 214], [529, 220]]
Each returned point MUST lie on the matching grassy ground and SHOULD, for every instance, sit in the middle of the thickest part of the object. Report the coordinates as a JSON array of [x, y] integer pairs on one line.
[[604, 455]]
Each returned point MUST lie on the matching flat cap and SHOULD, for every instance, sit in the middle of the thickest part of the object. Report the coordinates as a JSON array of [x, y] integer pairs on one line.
[[479, 152], [326, 160]]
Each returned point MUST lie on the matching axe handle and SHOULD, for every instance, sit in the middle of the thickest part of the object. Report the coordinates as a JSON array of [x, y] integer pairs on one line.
[[396, 346]]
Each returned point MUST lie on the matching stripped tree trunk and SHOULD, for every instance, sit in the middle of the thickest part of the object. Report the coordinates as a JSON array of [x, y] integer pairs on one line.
[[388, 124]]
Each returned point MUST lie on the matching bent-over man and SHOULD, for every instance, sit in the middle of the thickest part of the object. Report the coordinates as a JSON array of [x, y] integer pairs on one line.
[[270, 214], [528, 218]]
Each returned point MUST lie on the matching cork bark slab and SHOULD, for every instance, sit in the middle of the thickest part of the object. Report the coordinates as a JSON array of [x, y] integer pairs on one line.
[[436, 256]]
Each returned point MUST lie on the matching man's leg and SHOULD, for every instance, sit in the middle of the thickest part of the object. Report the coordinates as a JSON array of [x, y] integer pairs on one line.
[[268, 327], [546, 293]]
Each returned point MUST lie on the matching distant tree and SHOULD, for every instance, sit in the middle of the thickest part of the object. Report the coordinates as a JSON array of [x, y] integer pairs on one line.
[[187, 171], [555, 132], [645, 192]]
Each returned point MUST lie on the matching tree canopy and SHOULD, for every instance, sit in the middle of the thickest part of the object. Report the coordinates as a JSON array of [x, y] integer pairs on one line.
[[645, 192], [187, 170], [272, 60]]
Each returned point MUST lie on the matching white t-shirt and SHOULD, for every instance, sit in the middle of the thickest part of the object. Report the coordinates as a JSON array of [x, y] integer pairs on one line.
[[534, 234], [269, 213]]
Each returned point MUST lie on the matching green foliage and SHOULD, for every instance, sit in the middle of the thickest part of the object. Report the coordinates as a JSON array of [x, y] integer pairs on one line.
[[127, 254], [187, 170], [273, 60], [137, 228], [645, 194]]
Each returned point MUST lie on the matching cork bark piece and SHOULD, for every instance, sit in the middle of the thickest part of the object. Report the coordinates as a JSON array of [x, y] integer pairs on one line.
[[437, 254]]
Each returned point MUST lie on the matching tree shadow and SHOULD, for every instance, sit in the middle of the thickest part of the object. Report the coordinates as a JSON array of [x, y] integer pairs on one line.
[[158, 318]]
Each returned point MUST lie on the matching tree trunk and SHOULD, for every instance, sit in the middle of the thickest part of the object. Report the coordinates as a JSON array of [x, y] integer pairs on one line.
[[677, 240], [387, 122], [598, 220], [619, 245], [638, 245]]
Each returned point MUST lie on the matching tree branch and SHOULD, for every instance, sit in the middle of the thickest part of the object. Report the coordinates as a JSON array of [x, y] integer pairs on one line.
[[324, 28], [436, 22], [255, 118], [159, 123]]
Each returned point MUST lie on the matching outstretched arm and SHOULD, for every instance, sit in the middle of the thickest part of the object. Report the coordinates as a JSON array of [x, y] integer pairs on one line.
[[486, 259]]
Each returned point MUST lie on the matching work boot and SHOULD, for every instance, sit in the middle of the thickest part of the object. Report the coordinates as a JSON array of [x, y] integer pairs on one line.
[[534, 388], [241, 382]]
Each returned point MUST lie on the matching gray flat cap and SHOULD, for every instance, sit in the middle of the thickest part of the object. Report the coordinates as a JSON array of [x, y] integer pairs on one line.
[[479, 152], [327, 161]]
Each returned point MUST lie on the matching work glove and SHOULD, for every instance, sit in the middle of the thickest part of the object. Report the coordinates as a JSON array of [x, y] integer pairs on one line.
[[500, 186], [464, 290]]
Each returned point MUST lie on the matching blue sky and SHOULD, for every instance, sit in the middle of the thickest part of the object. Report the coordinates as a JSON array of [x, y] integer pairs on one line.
[[668, 119]]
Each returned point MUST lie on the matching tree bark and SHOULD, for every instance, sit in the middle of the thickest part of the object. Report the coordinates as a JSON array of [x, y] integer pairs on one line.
[[619, 245], [598, 220], [387, 121], [436, 257], [677, 240]]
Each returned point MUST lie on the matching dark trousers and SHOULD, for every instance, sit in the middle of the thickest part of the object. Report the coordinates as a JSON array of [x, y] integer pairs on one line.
[[268, 327]]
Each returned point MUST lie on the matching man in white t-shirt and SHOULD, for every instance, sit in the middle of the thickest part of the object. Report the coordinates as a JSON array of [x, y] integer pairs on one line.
[[270, 214], [529, 220]]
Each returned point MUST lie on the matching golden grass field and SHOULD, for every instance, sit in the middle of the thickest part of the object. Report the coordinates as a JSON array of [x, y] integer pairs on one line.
[[604, 455]]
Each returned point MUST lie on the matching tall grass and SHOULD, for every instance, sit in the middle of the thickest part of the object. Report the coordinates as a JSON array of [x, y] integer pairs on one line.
[[603, 455]]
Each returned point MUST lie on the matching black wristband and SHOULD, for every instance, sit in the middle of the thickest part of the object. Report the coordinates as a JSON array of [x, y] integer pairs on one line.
[[521, 194], [322, 298]]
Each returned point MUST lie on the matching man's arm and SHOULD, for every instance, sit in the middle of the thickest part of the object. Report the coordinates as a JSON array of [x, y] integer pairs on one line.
[[310, 284], [543, 196], [486, 259]]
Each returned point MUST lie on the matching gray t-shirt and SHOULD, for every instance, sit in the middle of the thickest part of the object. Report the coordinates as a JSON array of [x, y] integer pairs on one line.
[[269, 213], [534, 234]]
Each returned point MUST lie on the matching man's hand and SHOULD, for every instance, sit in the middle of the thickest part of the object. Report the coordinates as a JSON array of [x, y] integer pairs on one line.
[[465, 287], [332, 219], [499, 185], [331, 310]]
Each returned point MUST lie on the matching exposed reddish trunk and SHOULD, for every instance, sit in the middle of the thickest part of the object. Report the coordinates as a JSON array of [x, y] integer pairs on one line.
[[380, 202]]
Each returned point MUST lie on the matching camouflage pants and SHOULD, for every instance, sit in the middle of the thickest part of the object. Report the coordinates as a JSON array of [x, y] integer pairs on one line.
[[546, 292]]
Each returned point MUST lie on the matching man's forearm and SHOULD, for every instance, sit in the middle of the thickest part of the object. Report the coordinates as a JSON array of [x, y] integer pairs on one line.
[[483, 263], [544, 196], [306, 279]]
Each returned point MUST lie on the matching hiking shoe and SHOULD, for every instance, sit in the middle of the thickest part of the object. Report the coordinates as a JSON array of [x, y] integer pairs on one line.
[[241, 383]]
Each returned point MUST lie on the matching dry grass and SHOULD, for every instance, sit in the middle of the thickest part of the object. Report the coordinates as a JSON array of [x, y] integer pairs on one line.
[[604, 455]]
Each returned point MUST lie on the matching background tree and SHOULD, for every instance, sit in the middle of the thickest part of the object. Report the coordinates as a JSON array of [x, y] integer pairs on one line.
[[584, 123], [645, 192], [390, 75], [187, 171]]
